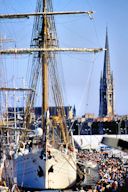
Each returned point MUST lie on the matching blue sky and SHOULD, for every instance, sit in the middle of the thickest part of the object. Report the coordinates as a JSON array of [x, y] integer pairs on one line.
[[81, 71]]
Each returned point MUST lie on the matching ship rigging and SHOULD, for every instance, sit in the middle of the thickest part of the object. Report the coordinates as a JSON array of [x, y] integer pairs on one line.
[[54, 155]]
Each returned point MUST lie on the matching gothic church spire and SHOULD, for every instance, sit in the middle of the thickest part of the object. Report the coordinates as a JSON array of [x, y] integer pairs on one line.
[[106, 107]]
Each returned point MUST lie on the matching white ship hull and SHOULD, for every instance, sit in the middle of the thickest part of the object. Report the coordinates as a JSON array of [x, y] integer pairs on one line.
[[34, 171]]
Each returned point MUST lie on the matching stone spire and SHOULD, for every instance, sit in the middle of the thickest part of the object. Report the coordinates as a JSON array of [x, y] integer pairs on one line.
[[106, 107], [74, 111]]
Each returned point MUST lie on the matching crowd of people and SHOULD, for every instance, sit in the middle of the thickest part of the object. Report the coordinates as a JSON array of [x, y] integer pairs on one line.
[[112, 172]]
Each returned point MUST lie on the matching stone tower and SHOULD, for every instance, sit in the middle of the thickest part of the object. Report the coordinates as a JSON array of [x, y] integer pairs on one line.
[[106, 107], [74, 111]]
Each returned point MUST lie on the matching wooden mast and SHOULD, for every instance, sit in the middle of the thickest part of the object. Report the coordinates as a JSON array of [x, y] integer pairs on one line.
[[44, 72], [44, 86]]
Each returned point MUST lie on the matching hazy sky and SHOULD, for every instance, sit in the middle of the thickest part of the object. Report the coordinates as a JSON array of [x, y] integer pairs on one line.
[[82, 71]]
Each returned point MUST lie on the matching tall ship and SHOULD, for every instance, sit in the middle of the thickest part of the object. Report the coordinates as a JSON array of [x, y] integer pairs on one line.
[[38, 152]]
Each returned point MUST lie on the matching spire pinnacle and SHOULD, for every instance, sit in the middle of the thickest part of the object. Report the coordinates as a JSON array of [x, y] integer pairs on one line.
[[106, 70]]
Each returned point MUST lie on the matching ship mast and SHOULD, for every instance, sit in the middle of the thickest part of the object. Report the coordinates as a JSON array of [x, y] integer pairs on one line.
[[44, 50], [44, 71]]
